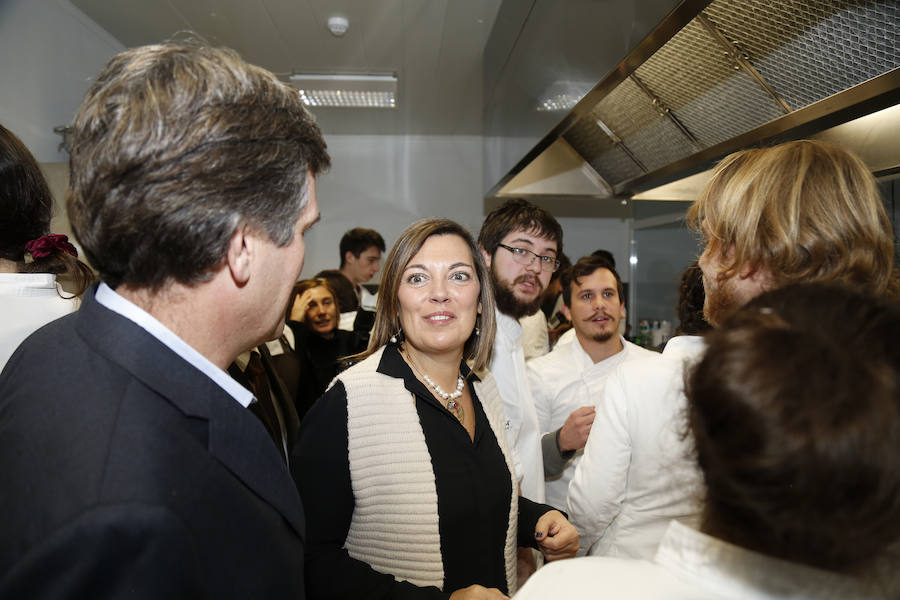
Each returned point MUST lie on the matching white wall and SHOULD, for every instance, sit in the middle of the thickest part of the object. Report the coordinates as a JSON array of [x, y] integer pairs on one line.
[[583, 236], [387, 182], [49, 51]]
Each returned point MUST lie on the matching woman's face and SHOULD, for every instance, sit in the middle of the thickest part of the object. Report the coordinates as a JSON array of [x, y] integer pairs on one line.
[[438, 296]]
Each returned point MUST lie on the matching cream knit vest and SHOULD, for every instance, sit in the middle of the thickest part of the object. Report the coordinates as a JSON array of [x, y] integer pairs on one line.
[[395, 522]]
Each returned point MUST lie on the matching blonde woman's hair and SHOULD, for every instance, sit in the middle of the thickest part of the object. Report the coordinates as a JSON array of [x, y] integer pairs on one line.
[[477, 348], [803, 211]]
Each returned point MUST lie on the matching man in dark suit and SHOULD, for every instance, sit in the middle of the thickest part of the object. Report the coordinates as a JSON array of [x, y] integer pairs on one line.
[[131, 463]]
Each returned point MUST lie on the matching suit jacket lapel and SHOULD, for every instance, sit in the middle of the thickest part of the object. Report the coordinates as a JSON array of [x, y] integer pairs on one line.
[[236, 437]]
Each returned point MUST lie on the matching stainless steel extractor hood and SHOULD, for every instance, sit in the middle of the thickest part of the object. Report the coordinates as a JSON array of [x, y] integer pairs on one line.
[[715, 77]]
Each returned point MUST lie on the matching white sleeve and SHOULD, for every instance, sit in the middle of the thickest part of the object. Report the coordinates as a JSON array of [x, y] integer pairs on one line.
[[542, 397], [597, 489]]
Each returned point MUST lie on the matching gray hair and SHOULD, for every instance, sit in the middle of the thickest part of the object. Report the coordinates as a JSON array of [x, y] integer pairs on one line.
[[174, 148]]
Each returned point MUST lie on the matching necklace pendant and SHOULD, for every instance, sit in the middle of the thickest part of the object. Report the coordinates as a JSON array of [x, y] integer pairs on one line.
[[452, 405]]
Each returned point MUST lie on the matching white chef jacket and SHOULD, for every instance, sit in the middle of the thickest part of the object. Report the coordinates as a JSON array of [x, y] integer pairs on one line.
[[692, 566], [535, 335], [27, 302], [564, 380], [636, 473], [684, 347], [522, 432]]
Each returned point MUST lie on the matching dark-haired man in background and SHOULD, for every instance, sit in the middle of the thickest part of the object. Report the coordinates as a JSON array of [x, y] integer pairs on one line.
[[131, 463], [361, 251]]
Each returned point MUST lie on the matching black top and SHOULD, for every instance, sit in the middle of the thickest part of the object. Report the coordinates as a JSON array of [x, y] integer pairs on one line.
[[128, 473], [319, 362], [473, 490]]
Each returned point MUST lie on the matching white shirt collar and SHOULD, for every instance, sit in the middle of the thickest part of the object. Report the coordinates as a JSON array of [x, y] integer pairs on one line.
[[28, 284], [509, 330], [110, 299], [736, 572], [683, 347]]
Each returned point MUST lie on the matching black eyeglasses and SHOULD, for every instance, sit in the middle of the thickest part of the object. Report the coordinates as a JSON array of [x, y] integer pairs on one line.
[[521, 256]]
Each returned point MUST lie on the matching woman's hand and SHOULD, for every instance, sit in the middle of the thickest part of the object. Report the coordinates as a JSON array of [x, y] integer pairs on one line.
[[556, 537], [477, 592], [301, 303]]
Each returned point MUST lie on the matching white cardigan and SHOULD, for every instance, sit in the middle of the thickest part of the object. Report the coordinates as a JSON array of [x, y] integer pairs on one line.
[[394, 527]]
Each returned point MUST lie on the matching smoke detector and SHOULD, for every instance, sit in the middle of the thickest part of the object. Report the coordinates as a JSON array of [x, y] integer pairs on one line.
[[338, 25]]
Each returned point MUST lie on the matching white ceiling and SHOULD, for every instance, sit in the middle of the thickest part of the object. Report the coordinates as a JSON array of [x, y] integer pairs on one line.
[[434, 46]]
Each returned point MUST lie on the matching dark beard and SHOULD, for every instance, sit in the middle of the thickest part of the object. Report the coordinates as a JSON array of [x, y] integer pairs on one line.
[[719, 303], [604, 337], [508, 304]]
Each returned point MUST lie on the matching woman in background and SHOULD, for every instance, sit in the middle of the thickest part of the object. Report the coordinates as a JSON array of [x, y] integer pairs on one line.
[[30, 256], [319, 344], [403, 464]]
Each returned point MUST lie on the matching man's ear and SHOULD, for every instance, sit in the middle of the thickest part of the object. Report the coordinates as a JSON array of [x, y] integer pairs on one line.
[[485, 256], [760, 278], [756, 274], [239, 256], [349, 257], [565, 311]]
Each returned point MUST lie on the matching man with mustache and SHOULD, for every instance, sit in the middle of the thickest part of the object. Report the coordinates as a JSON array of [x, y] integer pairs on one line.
[[567, 382], [520, 243], [802, 211]]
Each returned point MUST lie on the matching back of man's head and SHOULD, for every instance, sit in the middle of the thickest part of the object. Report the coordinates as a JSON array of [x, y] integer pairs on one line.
[[342, 288], [801, 211], [358, 240], [518, 215], [174, 148], [585, 266], [605, 254], [691, 298], [795, 414]]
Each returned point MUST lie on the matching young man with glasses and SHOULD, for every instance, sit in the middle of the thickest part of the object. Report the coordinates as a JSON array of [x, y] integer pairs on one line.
[[520, 243]]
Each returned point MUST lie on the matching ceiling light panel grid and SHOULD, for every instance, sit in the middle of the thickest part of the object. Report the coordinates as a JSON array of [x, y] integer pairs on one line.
[[810, 49], [693, 75]]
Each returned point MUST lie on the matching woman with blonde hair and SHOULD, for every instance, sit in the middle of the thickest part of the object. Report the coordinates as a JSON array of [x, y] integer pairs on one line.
[[30, 256], [403, 465]]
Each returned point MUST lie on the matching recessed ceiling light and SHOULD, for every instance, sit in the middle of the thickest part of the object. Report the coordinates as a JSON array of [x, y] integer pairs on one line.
[[341, 90]]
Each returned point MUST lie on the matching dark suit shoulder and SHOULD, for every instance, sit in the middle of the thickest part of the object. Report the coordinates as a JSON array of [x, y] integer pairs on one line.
[[99, 418], [113, 550]]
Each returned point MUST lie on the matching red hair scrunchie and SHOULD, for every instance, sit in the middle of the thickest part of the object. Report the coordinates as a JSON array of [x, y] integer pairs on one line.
[[46, 244]]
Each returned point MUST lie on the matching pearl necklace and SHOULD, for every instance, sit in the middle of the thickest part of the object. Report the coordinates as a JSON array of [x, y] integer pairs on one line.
[[449, 398], [453, 406]]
